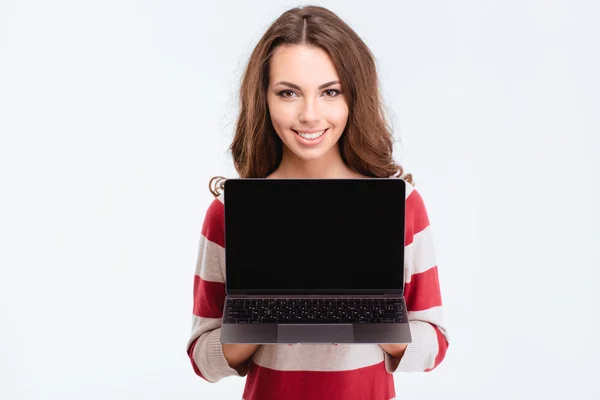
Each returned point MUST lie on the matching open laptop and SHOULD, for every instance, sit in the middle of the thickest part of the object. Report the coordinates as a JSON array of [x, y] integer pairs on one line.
[[314, 261]]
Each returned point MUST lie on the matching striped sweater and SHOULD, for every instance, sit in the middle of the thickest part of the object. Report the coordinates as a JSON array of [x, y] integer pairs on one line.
[[305, 371]]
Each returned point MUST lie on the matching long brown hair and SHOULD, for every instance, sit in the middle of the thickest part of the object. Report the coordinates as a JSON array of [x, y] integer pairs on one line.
[[366, 144]]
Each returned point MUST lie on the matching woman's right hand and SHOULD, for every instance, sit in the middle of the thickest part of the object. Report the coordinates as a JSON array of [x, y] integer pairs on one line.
[[237, 354]]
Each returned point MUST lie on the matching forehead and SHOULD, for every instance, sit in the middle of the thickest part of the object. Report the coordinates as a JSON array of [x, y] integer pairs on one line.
[[302, 65]]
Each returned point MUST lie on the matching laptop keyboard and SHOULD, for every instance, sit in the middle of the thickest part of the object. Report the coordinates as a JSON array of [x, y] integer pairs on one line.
[[318, 311]]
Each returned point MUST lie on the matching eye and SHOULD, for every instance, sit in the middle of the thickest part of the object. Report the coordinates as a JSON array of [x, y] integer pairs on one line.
[[332, 92], [284, 92]]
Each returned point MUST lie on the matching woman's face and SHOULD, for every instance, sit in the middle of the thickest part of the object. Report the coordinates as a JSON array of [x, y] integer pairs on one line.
[[307, 107]]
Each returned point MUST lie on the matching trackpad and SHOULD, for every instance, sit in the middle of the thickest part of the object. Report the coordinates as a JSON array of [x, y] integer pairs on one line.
[[334, 333]]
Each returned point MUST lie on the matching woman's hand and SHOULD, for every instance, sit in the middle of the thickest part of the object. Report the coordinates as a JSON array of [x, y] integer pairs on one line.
[[237, 354], [394, 349]]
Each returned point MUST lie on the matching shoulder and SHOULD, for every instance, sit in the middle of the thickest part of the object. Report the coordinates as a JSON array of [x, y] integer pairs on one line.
[[216, 207], [417, 218], [410, 189], [214, 221]]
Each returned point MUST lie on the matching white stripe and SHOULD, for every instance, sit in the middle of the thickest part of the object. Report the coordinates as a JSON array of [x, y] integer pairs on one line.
[[318, 357], [210, 264], [201, 325], [419, 256], [432, 315]]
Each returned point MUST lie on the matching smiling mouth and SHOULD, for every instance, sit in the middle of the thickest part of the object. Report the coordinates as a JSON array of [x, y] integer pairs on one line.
[[310, 136]]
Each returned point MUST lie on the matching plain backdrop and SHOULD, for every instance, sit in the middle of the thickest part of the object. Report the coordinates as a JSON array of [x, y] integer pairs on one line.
[[115, 114]]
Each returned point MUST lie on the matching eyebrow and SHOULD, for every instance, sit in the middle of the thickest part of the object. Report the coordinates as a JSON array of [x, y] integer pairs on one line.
[[323, 86]]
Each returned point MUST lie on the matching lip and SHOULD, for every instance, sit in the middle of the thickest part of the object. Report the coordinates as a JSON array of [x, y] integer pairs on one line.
[[307, 142], [309, 130]]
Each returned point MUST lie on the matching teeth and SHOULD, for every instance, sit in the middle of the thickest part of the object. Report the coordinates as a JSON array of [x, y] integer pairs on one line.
[[311, 136]]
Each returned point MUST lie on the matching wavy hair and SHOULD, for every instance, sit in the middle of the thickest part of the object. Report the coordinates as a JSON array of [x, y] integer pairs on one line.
[[366, 144]]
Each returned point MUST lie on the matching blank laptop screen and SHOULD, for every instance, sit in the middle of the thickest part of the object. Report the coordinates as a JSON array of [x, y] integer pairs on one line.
[[314, 236]]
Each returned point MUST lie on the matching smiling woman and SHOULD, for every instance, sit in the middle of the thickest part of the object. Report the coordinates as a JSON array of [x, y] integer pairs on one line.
[[310, 107]]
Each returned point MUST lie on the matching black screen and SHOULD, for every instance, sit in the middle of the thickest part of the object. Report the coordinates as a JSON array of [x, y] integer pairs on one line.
[[314, 235]]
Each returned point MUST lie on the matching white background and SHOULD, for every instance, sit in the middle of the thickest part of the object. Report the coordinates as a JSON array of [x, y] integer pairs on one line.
[[115, 114]]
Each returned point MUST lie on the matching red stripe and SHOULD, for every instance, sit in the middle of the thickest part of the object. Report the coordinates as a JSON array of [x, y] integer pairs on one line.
[[213, 227], [442, 348], [190, 352], [372, 382], [423, 291], [209, 298], [416, 216]]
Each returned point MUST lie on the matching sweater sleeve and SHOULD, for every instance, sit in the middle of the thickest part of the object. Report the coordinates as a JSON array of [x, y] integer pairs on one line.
[[421, 292], [204, 346]]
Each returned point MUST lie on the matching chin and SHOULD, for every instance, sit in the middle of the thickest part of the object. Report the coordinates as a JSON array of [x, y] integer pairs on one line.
[[310, 155]]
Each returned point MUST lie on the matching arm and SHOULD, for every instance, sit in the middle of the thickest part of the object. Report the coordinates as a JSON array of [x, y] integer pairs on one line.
[[238, 354], [422, 294], [211, 359]]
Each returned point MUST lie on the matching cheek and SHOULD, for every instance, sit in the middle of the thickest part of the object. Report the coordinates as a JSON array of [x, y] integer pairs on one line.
[[281, 114], [338, 114]]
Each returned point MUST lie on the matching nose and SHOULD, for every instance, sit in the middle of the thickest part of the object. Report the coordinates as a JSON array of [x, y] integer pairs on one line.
[[308, 113]]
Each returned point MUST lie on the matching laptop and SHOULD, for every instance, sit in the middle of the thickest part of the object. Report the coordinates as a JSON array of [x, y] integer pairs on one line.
[[314, 261]]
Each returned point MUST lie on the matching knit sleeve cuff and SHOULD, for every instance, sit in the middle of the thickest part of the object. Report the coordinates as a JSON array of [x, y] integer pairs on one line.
[[214, 365], [420, 353]]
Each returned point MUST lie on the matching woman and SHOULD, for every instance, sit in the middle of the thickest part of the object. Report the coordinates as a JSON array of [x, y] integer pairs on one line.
[[310, 108]]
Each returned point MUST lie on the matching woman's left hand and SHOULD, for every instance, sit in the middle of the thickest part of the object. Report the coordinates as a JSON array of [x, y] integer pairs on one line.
[[394, 349]]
